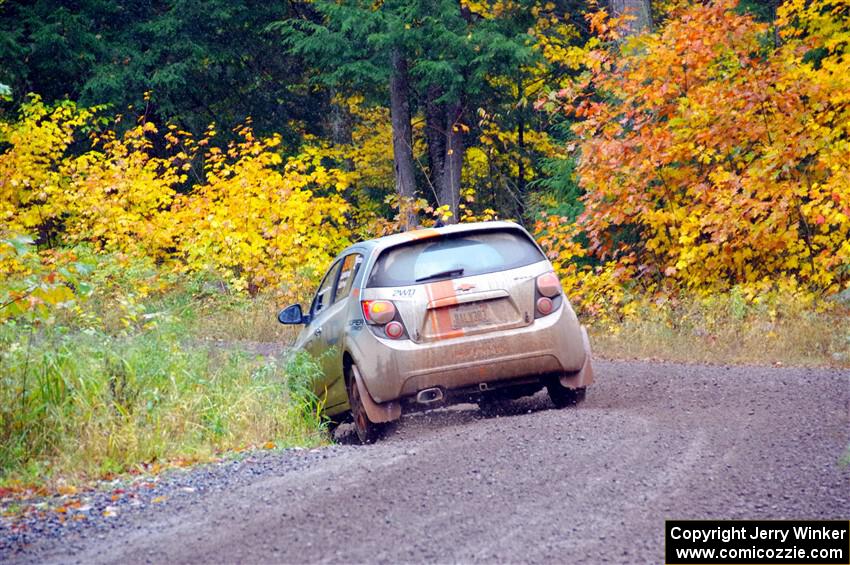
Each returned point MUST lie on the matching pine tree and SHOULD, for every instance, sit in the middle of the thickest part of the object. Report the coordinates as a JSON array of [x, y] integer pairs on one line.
[[435, 56]]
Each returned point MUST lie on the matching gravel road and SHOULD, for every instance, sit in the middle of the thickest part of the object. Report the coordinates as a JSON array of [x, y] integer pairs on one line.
[[589, 484]]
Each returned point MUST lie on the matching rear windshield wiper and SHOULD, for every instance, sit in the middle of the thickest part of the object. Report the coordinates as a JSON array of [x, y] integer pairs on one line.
[[448, 273]]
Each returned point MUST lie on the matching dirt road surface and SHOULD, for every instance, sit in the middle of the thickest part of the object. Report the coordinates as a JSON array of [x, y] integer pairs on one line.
[[592, 484]]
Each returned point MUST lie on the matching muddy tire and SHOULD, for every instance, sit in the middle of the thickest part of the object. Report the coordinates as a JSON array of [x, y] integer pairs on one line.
[[493, 407], [367, 430], [336, 421], [562, 397]]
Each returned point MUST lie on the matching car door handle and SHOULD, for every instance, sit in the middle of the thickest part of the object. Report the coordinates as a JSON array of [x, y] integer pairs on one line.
[[318, 331]]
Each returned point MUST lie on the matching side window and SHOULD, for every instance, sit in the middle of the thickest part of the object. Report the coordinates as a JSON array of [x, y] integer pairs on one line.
[[350, 266], [324, 297]]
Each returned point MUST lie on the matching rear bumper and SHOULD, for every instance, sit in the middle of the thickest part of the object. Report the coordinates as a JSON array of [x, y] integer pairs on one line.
[[392, 370]]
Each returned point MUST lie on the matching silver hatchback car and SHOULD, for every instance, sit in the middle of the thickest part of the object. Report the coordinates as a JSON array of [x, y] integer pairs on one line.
[[468, 312]]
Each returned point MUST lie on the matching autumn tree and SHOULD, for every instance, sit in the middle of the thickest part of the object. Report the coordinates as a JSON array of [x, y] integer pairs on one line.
[[711, 158]]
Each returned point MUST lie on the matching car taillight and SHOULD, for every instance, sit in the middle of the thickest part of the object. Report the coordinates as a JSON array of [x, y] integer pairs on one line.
[[378, 311], [383, 313], [394, 330], [548, 285], [545, 305], [548, 296]]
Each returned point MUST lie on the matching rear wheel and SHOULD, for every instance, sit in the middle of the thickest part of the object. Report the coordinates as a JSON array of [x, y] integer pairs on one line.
[[367, 430], [562, 396], [493, 406]]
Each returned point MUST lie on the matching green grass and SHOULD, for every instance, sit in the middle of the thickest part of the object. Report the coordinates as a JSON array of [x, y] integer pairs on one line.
[[96, 392]]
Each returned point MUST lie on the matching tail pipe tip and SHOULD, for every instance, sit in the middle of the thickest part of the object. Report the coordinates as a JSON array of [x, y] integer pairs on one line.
[[430, 395]]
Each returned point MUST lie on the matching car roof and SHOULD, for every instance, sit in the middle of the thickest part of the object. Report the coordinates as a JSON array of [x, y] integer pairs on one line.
[[380, 243]]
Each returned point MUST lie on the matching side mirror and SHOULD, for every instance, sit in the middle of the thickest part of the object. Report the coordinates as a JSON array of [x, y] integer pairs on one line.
[[292, 315]]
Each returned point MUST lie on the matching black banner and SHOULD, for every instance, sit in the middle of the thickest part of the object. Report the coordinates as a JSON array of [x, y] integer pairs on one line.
[[744, 542]]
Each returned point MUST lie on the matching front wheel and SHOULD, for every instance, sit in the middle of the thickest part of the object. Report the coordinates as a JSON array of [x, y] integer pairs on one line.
[[367, 430], [562, 396]]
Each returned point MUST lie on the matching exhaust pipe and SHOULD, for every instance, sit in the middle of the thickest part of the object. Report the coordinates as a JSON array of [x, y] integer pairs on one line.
[[430, 395]]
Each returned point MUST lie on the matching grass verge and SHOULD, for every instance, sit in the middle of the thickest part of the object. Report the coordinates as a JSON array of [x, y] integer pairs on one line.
[[98, 393], [727, 328]]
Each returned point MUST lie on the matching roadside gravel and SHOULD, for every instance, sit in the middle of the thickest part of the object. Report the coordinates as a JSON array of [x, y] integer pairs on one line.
[[589, 484]]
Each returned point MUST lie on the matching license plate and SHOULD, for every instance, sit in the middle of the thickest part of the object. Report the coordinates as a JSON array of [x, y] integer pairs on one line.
[[469, 315]]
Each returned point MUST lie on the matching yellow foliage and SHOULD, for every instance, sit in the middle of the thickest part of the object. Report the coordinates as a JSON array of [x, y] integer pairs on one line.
[[490, 9], [120, 197], [371, 147], [497, 157], [258, 225], [251, 218], [114, 195], [33, 179], [555, 39]]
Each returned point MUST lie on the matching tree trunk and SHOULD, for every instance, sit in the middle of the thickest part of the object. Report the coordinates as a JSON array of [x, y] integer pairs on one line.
[[405, 182], [520, 181], [444, 133], [453, 163], [435, 135], [641, 17], [338, 121]]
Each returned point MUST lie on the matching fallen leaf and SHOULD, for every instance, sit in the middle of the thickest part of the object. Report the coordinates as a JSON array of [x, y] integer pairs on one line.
[[66, 490]]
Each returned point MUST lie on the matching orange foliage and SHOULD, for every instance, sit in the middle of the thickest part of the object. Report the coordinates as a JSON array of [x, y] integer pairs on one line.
[[711, 157]]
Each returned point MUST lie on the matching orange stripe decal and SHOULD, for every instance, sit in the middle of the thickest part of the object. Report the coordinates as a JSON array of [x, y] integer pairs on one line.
[[441, 320], [451, 334], [421, 234], [444, 291]]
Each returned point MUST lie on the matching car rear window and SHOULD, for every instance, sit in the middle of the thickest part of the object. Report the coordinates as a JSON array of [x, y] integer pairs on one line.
[[452, 256]]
